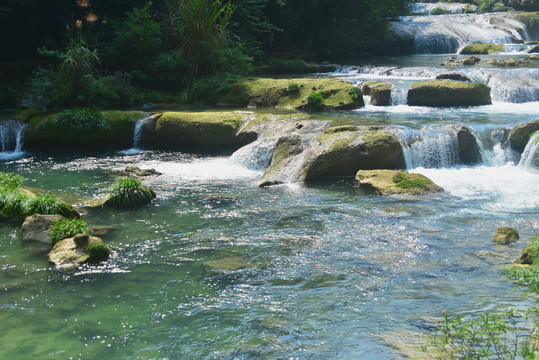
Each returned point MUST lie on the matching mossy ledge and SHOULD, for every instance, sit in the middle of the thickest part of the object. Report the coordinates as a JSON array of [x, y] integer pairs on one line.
[[291, 93], [447, 93], [389, 182], [43, 134], [482, 49], [208, 130]]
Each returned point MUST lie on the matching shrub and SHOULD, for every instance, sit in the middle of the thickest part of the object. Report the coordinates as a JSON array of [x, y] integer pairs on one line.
[[66, 228], [209, 88], [10, 181], [315, 100], [80, 120], [293, 88], [438, 11], [97, 252], [128, 192], [355, 93], [43, 204]]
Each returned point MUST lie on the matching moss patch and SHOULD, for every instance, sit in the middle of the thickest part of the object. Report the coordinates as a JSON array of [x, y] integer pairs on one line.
[[445, 93], [477, 49], [387, 182], [332, 132]]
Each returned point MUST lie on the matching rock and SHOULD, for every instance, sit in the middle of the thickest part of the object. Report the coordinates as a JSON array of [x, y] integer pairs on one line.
[[388, 182], [529, 254], [469, 151], [72, 252], [453, 76], [505, 235], [34, 228], [379, 91], [534, 50], [287, 148], [136, 171], [342, 151], [292, 93], [482, 49], [447, 93], [520, 135], [532, 57], [100, 230], [472, 60]]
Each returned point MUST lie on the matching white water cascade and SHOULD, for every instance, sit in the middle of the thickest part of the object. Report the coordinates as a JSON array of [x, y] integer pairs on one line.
[[530, 155], [452, 8], [11, 139], [137, 134], [435, 34], [255, 156]]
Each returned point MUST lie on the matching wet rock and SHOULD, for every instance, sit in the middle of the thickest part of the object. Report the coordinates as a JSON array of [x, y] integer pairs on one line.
[[472, 60], [520, 135], [482, 49], [447, 93], [136, 171], [453, 76], [505, 235], [379, 91], [72, 252], [389, 182], [35, 227], [287, 149], [469, 151]]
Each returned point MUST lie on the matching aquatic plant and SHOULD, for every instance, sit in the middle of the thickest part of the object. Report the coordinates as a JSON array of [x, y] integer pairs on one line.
[[129, 192], [12, 203], [10, 181], [97, 252], [43, 204], [66, 228], [80, 120]]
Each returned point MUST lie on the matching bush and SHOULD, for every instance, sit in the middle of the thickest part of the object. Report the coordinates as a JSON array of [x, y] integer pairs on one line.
[[438, 11], [209, 88], [129, 192], [97, 252], [293, 88], [66, 228], [355, 93], [315, 100], [81, 120]]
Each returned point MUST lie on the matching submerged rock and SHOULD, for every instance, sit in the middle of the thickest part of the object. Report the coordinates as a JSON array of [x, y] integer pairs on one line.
[[389, 182], [453, 76], [447, 93], [35, 227], [74, 251], [505, 235]]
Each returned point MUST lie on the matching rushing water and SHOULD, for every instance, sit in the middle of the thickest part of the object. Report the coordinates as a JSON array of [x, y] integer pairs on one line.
[[218, 268]]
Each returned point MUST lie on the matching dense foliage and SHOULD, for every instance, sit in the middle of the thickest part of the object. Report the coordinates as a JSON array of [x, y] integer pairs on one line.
[[65, 228]]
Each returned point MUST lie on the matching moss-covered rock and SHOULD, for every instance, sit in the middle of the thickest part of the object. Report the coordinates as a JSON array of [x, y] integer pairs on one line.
[[453, 76], [388, 182], [534, 50], [211, 130], [43, 134], [72, 252], [380, 92], [266, 92], [505, 235], [447, 93], [342, 151], [520, 135], [35, 228], [478, 49]]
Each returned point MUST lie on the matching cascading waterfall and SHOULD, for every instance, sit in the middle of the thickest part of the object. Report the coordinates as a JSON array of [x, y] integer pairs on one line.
[[447, 34], [11, 139], [137, 134], [426, 8], [530, 155], [255, 156]]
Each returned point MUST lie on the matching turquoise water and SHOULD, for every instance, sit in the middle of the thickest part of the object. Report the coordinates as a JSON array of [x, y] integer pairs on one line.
[[217, 268]]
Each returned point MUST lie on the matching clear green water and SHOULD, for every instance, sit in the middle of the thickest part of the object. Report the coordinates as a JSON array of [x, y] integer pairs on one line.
[[217, 268]]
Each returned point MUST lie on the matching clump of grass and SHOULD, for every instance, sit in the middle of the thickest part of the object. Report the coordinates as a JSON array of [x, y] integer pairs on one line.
[[129, 192], [81, 120], [355, 93], [66, 228], [12, 203], [43, 204], [402, 181], [293, 88], [97, 252], [315, 100], [10, 181]]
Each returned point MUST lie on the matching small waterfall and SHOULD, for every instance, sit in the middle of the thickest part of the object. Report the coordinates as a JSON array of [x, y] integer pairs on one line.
[[444, 34], [503, 153], [255, 156], [426, 8], [11, 139], [530, 155], [137, 134]]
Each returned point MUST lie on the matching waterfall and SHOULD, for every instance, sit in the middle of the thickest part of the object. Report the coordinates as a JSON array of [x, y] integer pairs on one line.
[[137, 134], [503, 152], [530, 155], [426, 8], [11, 139], [255, 156], [444, 34]]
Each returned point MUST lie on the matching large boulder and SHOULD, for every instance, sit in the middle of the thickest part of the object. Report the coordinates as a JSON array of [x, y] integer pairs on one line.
[[447, 93], [389, 182], [35, 228], [469, 151], [300, 93], [342, 151], [208, 130], [520, 135], [72, 252], [379, 91], [477, 49], [505, 235]]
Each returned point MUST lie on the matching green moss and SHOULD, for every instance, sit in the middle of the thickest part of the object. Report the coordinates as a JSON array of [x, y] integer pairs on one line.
[[334, 131], [97, 252], [484, 49], [129, 192], [386, 182], [128, 117]]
